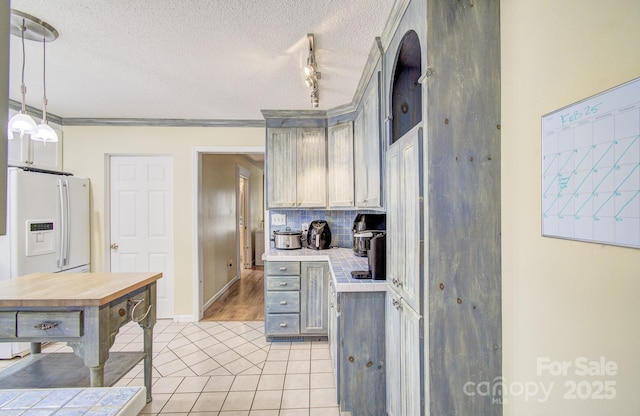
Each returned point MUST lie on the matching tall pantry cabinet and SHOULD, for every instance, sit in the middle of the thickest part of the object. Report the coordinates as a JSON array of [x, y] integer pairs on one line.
[[441, 89]]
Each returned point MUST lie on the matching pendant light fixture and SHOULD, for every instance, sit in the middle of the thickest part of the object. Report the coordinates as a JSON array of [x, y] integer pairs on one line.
[[311, 72], [21, 124], [43, 132]]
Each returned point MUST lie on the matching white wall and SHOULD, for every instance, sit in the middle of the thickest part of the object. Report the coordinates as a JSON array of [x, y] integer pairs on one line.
[[562, 300], [84, 155]]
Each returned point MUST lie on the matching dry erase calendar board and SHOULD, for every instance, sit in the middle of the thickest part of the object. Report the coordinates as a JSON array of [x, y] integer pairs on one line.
[[591, 168]]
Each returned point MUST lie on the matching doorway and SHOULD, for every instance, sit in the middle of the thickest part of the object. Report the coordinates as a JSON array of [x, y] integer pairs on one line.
[[213, 263]]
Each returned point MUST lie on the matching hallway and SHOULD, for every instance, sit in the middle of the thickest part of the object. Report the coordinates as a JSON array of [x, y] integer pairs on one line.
[[244, 301]]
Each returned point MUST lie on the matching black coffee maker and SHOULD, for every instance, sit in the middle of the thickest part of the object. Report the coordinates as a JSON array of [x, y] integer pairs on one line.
[[365, 227], [319, 235]]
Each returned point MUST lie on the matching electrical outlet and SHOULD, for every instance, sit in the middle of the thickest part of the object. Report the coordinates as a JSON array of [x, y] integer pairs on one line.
[[305, 226]]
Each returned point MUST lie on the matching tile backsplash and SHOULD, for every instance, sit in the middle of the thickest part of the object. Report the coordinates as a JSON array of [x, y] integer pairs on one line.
[[340, 222]]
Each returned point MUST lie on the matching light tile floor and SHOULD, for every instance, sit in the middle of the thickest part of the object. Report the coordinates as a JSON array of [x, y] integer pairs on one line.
[[228, 369]]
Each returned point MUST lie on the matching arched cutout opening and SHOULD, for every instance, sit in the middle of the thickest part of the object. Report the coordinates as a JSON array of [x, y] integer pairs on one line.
[[406, 93]]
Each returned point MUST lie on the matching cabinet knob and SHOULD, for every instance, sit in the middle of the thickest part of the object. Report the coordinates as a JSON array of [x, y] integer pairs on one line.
[[283, 269], [283, 325], [283, 283], [283, 302]]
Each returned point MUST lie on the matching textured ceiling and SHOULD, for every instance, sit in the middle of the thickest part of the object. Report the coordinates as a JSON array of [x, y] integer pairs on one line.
[[195, 59]]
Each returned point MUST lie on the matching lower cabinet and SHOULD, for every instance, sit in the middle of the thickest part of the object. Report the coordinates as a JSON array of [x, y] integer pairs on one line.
[[295, 299], [404, 358], [357, 344]]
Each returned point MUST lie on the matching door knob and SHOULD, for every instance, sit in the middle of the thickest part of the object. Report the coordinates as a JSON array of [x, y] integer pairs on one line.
[[114, 246]]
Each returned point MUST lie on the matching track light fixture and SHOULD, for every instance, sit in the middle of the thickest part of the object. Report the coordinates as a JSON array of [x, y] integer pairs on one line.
[[32, 28], [311, 72]]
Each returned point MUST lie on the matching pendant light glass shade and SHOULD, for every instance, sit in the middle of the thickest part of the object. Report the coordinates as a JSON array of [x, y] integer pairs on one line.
[[19, 125], [44, 133]]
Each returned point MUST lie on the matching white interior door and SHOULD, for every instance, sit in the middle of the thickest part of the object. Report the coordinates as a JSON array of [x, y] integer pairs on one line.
[[141, 221]]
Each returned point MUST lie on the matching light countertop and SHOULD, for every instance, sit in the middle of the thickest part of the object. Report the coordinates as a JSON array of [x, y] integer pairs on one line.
[[102, 401], [341, 262]]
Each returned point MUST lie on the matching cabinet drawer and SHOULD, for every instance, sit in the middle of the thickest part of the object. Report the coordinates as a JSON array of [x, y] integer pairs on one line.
[[282, 302], [283, 268], [7, 324], [282, 324], [49, 324], [283, 282]]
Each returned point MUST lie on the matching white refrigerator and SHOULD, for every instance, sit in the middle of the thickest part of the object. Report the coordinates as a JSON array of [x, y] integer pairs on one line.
[[47, 229]]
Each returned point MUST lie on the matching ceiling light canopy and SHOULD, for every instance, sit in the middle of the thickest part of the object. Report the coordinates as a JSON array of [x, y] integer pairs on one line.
[[21, 124], [311, 72]]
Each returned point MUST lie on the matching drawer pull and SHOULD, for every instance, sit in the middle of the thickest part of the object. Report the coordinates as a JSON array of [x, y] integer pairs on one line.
[[283, 269], [283, 325], [137, 302], [283, 302], [283, 283], [45, 326]]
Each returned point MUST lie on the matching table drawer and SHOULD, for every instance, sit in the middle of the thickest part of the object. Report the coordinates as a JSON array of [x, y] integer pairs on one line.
[[283, 302], [50, 324], [282, 324], [120, 309], [283, 283], [7, 324], [283, 268]]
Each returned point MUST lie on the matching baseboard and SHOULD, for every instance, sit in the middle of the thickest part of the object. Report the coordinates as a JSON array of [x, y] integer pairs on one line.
[[220, 293]]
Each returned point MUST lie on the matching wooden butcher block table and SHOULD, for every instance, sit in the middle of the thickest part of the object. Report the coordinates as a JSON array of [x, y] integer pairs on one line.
[[86, 310]]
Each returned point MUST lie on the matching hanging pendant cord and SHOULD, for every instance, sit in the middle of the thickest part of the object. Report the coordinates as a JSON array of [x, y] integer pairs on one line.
[[44, 80], [23, 88]]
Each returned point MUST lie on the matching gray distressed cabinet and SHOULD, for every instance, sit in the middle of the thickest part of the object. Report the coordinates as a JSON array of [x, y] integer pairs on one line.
[[367, 148], [314, 309], [357, 345], [340, 165], [296, 167], [404, 275], [295, 299]]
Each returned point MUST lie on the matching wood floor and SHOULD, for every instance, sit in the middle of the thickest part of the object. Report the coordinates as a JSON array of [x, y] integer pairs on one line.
[[244, 301]]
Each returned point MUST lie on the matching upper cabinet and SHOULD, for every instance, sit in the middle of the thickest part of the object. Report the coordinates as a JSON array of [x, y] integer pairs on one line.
[[367, 148], [340, 165], [296, 167], [34, 154]]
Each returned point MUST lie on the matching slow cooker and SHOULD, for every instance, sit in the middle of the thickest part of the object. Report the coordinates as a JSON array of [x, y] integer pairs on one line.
[[287, 239]]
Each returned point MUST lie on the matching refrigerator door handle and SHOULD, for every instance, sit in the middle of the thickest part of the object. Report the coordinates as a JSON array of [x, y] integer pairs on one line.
[[67, 229], [63, 224]]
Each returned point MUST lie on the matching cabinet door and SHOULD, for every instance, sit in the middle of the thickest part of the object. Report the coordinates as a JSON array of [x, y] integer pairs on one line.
[[404, 217], [313, 304], [395, 224], [311, 181], [393, 354], [333, 331], [411, 361], [281, 168], [367, 149], [340, 165], [19, 151], [47, 155], [412, 206]]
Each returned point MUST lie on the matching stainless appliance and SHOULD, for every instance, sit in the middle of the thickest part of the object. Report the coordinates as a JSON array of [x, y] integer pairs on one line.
[[365, 227], [319, 235], [287, 239], [48, 222]]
